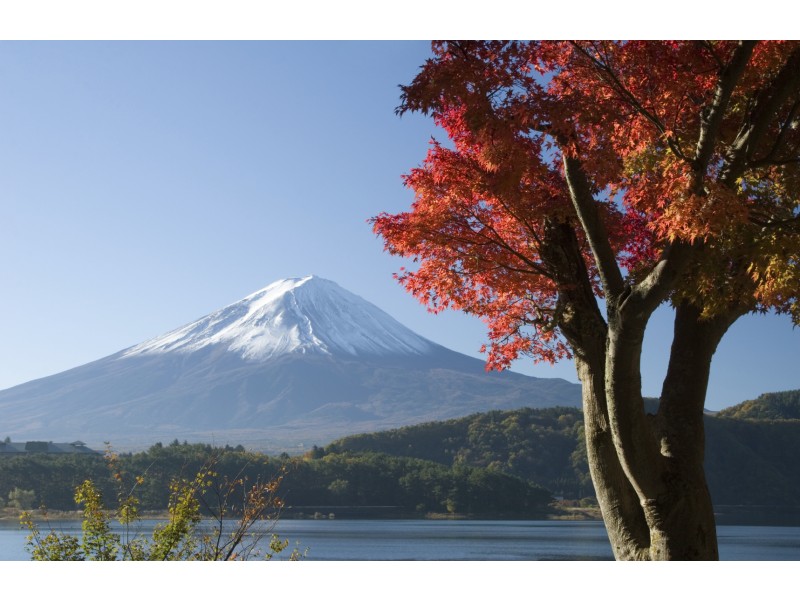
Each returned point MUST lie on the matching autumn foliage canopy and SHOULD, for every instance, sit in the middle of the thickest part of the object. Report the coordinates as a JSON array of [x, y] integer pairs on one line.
[[677, 144]]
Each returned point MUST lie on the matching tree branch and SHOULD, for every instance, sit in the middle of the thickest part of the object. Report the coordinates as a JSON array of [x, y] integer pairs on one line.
[[648, 294], [607, 74], [583, 325], [710, 48], [711, 118], [770, 98], [589, 216], [790, 123], [500, 241]]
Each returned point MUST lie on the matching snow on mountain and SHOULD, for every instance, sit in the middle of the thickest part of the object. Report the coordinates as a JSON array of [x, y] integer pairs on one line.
[[289, 316], [299, 362]]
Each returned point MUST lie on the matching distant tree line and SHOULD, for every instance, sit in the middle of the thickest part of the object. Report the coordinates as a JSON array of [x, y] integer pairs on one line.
[[496, 463], [402, 485]]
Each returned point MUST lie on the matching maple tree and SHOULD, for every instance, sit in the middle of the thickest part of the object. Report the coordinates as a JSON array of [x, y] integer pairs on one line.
[[583, 185]]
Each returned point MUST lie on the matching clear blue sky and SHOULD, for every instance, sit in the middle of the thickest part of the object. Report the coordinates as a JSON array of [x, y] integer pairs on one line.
[[146, 184]]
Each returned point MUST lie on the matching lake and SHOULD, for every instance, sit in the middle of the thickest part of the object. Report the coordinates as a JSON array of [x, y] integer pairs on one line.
[[430, 540]]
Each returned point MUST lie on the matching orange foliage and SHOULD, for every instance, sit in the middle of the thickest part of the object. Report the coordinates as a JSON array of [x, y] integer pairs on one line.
[[660, 139]]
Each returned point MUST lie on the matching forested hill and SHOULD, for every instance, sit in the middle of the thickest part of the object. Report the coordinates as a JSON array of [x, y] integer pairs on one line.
[[499, 463], [542, 445], [748, 462], [772, 406]]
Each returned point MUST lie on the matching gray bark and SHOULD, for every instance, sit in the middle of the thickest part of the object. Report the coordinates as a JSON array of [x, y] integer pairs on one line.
[[683, 516], [648, 469], [622, 514]]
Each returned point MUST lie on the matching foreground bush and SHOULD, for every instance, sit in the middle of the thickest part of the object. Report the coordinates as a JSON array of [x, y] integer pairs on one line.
[[243, 517]]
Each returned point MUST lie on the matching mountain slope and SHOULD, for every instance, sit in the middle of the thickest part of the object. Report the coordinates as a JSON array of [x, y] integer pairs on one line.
[[300, 362]]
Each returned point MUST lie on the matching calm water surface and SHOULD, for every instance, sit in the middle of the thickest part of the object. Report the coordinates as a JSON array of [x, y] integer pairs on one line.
[[342, 539]]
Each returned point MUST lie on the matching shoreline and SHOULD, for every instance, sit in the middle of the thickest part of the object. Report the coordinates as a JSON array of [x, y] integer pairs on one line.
[[41, 517], [742, 516]]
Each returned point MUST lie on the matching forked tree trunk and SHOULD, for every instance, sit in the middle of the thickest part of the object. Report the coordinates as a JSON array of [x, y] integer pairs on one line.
[[648, 469]]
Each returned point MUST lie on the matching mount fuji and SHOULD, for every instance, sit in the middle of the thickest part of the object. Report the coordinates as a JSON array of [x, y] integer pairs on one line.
[[300, 362]]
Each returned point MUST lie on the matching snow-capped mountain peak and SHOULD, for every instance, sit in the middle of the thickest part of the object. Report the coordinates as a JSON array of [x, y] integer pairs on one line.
[[299, 315], [341, 366]]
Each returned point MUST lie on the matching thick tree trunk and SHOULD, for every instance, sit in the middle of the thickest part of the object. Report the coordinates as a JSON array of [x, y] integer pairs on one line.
[[648, 469], [681, 518], [587, 332], [623, 516]]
